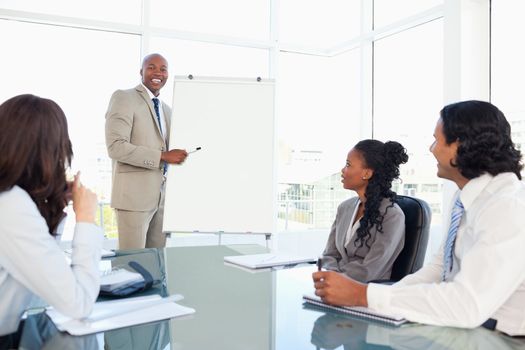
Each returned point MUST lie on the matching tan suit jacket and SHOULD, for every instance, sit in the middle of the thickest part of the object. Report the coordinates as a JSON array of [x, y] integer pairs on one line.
[[134, 142]]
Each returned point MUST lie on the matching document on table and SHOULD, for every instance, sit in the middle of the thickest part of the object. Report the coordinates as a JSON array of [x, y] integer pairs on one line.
[[358, 311], [258, 261], [121, 313]]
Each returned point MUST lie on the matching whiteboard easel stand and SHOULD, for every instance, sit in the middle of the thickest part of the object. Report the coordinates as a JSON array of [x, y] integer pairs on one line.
[[215, 102]]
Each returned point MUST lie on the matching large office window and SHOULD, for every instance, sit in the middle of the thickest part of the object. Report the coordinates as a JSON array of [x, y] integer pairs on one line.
[[406, 91], [318, 108], [507, 69], [408, 95]]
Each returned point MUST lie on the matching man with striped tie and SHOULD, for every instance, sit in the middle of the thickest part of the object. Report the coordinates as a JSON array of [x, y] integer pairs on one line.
[[137, 136], [478, 276]]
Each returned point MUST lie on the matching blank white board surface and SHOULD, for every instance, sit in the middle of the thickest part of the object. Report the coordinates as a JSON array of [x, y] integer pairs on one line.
[[228, 185]]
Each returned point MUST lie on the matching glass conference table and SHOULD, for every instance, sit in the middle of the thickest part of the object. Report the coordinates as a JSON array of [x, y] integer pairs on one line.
[[243, 309]]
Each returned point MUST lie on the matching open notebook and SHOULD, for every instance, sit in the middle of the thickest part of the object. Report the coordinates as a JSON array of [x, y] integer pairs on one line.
[[358, 311], [107, 315], [258, 261]]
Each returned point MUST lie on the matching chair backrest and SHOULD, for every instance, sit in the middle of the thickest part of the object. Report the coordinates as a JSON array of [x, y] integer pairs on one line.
[[417, 225]]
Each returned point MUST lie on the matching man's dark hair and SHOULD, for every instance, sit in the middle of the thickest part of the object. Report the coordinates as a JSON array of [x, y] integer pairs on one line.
[[485, 144]]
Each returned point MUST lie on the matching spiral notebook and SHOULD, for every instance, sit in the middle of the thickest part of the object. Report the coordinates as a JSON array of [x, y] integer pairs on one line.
[[358, 311]]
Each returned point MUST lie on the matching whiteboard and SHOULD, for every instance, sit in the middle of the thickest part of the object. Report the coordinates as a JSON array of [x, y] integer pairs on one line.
[[228, 185]]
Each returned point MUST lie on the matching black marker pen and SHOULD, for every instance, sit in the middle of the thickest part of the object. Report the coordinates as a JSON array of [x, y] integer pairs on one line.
[[195, 150]]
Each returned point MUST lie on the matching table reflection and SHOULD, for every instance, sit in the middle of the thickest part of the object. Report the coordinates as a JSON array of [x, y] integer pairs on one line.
[[332, 330]]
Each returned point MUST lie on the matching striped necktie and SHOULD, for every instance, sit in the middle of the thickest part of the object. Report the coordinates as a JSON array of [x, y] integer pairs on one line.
[[448, 259], [157, 112]]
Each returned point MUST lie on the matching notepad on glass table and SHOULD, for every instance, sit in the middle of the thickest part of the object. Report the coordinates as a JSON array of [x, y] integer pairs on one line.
[[118, 278], [121, 313], [358, 311], [258, 261]]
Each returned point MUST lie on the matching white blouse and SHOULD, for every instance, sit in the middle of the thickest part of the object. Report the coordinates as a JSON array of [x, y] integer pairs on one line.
[[33, 265]]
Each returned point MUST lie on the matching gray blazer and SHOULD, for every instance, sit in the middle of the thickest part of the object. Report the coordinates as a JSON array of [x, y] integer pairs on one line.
[[363, 263], [134, 143]]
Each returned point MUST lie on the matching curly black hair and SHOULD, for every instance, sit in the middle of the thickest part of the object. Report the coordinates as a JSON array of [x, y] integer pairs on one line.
[[485, 144], [384, 159]]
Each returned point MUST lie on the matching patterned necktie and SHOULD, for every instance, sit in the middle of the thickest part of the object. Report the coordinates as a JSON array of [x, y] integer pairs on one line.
[[157, 112], [448, 261]]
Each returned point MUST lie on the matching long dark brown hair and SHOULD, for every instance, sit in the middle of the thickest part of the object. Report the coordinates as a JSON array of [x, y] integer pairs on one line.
[[34, 152]]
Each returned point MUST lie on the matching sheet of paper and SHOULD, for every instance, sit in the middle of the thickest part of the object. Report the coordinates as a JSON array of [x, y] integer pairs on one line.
[[121, 313], [256, 261]]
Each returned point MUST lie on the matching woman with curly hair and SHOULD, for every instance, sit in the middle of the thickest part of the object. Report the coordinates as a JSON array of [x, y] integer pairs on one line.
[[33, 194], [369, 230]]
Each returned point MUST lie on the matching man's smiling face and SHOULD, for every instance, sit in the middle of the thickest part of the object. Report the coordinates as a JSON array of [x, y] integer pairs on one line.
[[154, 73]]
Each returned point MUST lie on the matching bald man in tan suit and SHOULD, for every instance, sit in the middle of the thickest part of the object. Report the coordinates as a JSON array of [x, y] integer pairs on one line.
[[137, 135]]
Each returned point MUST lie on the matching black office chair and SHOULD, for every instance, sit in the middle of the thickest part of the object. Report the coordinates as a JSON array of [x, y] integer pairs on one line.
[[417, 225]]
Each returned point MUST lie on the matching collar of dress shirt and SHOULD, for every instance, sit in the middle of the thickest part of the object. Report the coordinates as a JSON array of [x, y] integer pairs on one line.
[[150, 94], [473, 188]]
